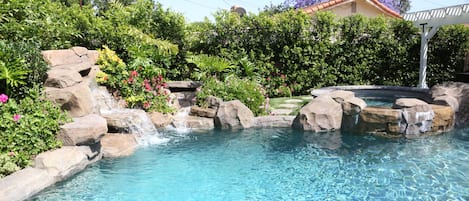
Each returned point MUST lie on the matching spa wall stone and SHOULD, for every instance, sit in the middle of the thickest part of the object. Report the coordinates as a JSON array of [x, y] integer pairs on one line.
[[455, 95]]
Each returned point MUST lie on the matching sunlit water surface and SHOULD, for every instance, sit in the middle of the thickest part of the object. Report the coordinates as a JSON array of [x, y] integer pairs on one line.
[[279, 164]]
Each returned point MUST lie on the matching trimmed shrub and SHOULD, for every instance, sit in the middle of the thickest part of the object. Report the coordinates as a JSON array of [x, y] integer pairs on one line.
[[249, 92]]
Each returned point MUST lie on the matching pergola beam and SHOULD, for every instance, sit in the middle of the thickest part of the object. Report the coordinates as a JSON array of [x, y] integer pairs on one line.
[[430, 21]]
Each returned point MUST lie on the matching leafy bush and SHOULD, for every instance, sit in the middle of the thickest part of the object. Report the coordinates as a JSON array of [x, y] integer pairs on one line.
[[249, 92], [29, 126], [296, 51], [140, 84], [21, 67], [7, 166]]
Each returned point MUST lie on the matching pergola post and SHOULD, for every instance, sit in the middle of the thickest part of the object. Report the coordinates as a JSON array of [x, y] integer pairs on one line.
[[427, 34]]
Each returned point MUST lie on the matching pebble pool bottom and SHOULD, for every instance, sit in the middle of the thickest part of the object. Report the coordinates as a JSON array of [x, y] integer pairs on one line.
[[279, 164]]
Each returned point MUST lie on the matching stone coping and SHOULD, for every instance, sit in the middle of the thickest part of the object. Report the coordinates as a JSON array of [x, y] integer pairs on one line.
[[179, 86], [379, 92]]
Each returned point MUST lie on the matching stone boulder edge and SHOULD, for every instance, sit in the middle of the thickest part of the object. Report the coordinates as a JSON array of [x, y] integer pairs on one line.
[[322, 114], [66, 161], [203, 112], [379, 120], [273, 122], [62, 78], [25, 183], [128, 121], [444, 118], [118, 145], [417, 116], [161, 120], [75, 99], [455, 95], [85, 130], [233, 115]]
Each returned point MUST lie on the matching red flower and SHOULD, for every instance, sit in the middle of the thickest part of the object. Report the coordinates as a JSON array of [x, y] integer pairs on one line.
[[134, 73], [148, 87], [146, 105]]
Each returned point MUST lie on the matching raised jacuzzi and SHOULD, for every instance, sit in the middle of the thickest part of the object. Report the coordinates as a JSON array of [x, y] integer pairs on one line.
[[373, 92]]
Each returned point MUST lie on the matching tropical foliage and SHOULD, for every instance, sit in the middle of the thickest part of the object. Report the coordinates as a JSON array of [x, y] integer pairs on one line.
[[278, 52]]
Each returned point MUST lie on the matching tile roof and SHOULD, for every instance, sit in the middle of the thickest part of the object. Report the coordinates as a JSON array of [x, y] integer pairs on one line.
[[331, 3]]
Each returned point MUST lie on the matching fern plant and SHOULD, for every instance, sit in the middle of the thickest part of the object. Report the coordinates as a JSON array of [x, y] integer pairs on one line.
[[12, 76], [210, 66]]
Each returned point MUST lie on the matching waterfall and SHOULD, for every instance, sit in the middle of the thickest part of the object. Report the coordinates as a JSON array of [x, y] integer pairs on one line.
[[180, 120], [123, 120]]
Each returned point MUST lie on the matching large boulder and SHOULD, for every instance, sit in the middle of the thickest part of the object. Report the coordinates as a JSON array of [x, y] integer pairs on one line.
[[214, 102], [233, 115], [118, 145], [82, 68], [273, 121], [128, 121], [322, 114], [73, 55], [194, 123], [161, 120], [25, 183], [203, 112], [455, 95], [381, 120], [85, 130], [341, 95], [62, 57], [353, 106], [443, 120], [417, 115], [76, 99], [62, 78], [66, 161]]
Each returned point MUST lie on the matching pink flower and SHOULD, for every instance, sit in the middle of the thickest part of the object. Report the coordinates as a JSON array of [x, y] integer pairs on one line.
[[148, 87], [16, 117], [3, 98], [134, 73], [11, 153]]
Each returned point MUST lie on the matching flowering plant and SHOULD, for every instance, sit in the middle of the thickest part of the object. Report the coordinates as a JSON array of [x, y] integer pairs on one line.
[[28, 127], [3, 98], [140, 84]]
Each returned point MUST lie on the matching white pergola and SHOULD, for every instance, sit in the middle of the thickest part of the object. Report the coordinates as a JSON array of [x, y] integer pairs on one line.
[[430, 21]]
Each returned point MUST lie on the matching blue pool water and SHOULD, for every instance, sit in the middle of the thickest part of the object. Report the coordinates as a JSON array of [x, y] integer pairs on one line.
[[380, 102], [279, 164]]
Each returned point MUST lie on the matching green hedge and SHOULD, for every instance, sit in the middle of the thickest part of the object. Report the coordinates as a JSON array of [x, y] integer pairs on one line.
[[294, 50]]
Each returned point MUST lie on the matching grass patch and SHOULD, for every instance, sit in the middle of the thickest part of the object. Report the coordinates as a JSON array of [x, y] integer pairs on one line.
[[275, 103]]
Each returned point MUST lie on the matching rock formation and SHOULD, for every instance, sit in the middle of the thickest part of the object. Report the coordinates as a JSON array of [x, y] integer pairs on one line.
[[233, 115], [67, 82], [455, 95]]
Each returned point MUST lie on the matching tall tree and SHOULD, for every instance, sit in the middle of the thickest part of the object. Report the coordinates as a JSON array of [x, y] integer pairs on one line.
[[400, 6]]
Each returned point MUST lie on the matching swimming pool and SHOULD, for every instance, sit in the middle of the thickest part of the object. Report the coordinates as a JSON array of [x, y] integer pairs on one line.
[[279, 164]]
